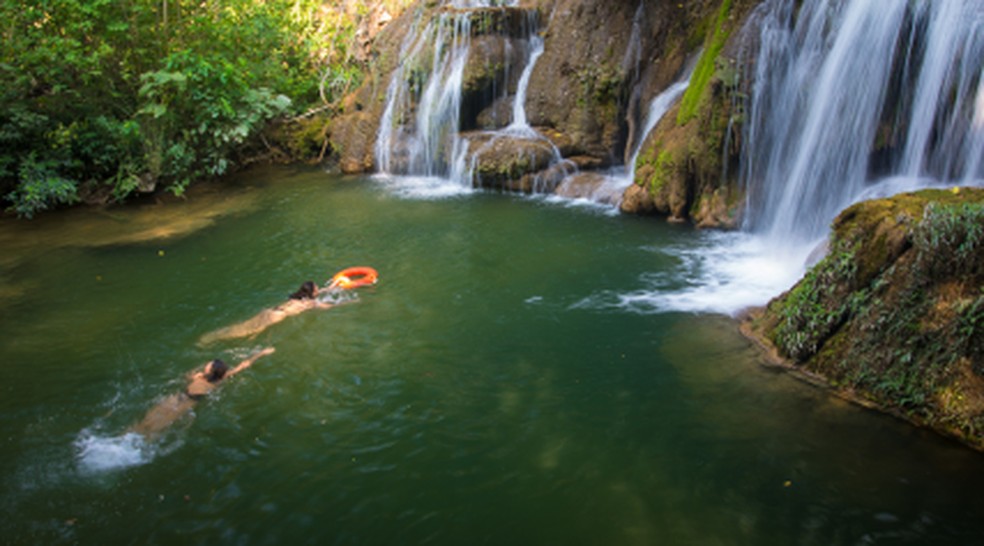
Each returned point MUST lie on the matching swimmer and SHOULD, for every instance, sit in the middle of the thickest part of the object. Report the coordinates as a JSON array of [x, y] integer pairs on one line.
[[200, 383], [304, 299]]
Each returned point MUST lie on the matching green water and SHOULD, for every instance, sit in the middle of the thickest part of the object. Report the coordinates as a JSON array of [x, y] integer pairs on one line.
[[471, 397]]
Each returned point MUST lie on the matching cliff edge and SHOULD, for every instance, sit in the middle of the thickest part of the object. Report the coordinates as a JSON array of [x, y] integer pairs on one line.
[[892, 317]]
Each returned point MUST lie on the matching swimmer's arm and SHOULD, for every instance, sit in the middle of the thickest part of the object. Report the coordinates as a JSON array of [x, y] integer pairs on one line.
[[249, 361]]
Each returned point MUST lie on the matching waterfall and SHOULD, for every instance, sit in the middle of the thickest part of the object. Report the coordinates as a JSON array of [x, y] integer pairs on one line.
[[848, 94], [610, 187], [426, 141], [519, 122], [420, 128], [849, 99], [658, 108]]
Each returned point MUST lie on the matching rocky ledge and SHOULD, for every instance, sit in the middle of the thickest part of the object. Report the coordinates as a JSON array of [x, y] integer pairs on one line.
[[892, 317]]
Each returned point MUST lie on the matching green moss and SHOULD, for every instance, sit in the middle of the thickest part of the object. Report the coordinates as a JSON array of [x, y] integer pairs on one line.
[[895, 313], [816, 306], [950, 240], [706, 66], [601, 89], [663, 169]]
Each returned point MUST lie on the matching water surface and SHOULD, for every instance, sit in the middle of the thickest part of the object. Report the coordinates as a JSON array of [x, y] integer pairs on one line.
[[494, 388]]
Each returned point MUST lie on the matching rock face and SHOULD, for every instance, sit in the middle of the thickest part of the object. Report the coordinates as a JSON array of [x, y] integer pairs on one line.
[[352, 134], [687, 169], [893, 316], [601, 64], [501, 161]]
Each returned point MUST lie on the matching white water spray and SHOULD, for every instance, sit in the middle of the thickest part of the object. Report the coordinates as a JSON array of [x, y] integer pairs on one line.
[[98, 453], [835, 84]]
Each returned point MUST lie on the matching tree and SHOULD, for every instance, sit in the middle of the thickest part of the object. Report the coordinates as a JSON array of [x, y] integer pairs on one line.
[[107, 97]]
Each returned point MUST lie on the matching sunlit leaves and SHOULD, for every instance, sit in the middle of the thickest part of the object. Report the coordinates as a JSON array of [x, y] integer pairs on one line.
[[136, 94]]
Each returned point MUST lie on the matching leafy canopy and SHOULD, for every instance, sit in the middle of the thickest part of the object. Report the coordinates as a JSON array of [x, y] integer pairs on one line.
[[105, 97]]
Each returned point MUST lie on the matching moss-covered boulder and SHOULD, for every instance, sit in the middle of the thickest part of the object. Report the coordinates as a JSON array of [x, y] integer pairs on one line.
[[687, 168], [502, 161], [893, 316]]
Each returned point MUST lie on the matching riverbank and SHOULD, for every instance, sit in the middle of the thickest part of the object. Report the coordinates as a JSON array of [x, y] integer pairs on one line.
[[891, 318]]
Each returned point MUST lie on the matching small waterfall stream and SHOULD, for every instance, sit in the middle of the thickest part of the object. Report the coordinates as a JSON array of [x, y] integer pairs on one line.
[[609, 190], [519, 122], [419, 128]]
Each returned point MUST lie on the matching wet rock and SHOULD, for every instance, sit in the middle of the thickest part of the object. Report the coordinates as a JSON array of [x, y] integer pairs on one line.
[[496, 116], [514, 22], [491, 76], [500, 158], [597, 187], [545, 181], [636, 200], [354, 137]]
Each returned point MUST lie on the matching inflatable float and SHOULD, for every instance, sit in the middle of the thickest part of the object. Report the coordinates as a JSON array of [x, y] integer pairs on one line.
[[354, 277]]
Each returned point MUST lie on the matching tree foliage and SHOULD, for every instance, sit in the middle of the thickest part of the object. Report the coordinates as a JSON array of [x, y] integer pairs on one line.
[[108, 97]]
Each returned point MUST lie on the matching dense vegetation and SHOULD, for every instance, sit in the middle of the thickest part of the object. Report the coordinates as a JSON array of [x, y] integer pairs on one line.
[[102, 98]]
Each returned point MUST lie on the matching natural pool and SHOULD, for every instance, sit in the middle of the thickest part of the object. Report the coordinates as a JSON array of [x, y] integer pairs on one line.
[[485, 391]]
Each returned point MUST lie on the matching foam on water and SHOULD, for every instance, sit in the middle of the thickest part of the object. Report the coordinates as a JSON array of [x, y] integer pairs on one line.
[[422, 187], [96, 453], [587, 203], [723, 273]]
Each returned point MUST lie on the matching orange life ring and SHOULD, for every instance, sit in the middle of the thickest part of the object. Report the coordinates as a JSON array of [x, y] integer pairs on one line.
[[354, 277]]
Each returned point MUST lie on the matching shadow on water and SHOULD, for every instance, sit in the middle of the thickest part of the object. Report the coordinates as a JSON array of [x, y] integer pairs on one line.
[[470, 396]]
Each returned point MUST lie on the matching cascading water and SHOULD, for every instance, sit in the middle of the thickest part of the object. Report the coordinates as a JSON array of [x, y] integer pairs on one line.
[[610, 189], [420, 128], [519, 122], [850, 99], [839, 82], [658, 108]]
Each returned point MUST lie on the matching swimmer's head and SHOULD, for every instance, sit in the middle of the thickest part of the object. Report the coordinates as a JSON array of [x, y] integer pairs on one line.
[[215, 370], [307, 291]]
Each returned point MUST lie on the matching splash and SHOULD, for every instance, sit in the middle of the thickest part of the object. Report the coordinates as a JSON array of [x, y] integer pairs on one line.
[[430, 188], [96, 453], [723, 273]]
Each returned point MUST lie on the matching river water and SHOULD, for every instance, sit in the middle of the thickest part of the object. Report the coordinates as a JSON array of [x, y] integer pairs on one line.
[[498, 386]]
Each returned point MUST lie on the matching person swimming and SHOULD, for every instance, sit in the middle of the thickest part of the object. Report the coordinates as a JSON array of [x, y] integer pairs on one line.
[[304, 299], [200, 384]]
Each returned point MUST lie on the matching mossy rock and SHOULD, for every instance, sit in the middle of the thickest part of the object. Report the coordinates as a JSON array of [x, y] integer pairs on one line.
[[894, 315], [500, 160]]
